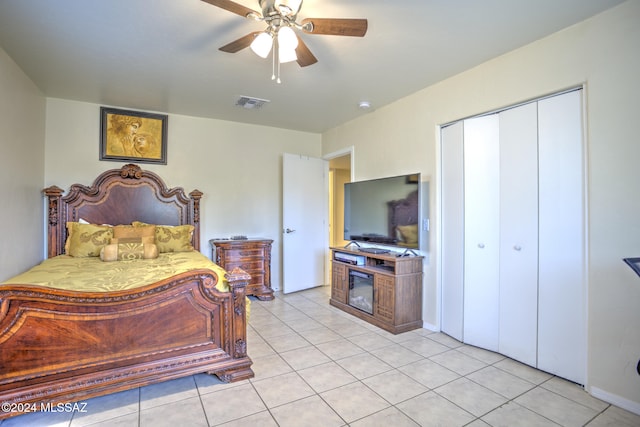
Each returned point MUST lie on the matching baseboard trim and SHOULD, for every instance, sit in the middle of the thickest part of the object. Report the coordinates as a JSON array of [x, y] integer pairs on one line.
[[614, 399], [430, 327]]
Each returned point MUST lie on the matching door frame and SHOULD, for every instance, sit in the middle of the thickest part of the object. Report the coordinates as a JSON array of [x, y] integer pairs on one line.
[[350, 151]]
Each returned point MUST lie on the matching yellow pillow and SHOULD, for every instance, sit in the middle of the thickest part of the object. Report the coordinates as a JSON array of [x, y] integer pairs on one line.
[[408, 233], [129, 231], [128, 251], [171, 238], [148, 239], [86, 240]]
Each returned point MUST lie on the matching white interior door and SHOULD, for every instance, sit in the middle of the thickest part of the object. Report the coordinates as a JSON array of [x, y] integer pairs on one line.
[[562, 290], [519, 233], [305, 221], [452, 221], [481, 231]]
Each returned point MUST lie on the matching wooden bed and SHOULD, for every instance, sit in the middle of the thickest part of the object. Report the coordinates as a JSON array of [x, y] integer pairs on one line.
[[60, 346]]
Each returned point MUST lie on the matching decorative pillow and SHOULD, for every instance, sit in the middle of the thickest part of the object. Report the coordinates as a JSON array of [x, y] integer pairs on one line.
[[148, 239], [408, 233], [146, 232], [134, 249], [86, 240], [171, 238]]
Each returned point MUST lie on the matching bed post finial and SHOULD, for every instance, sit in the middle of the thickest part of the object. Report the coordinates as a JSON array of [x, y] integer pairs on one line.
[[131, 171], [55, 224], [195, 196]]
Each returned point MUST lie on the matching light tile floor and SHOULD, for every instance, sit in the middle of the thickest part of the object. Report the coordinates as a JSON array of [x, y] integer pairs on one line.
[[318, 366]]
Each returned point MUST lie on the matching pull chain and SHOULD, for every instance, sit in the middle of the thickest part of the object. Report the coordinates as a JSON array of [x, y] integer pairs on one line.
[[275, 72], [273, 64], [279, 73]]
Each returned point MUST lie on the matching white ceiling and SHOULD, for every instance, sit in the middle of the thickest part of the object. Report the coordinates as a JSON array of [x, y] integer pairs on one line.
[[162, 55]]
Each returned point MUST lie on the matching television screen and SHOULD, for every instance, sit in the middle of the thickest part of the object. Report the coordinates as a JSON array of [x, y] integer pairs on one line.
[[383, 211]]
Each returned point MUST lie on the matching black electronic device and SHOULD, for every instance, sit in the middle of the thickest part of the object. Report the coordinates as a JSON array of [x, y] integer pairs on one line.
[[383, 211]]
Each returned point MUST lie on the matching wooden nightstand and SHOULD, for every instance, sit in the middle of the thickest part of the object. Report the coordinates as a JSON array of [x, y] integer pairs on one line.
[[253, 256]]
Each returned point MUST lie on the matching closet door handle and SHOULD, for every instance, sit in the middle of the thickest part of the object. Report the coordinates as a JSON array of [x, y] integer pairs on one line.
[[517, 248], [481, 245]]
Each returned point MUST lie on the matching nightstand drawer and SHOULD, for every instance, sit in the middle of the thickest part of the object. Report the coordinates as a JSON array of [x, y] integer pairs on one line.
[[257, 279], [250, 267], [244, 253]]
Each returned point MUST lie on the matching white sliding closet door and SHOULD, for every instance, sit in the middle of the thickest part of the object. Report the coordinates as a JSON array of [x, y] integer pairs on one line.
[[561, 315], [519, 233], [481, 231], [452, 255], [513, 234]]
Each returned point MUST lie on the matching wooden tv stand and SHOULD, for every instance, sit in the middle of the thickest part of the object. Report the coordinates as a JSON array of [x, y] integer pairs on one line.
[[397, 287]]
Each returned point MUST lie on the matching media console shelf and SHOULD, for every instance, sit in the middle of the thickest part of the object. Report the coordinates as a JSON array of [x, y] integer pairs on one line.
[[382, 289]]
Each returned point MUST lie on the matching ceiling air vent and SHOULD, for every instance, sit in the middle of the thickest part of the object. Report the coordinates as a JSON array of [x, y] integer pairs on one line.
[[251, 103]]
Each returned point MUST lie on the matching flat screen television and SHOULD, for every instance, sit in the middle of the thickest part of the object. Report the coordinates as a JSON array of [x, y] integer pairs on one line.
[[383, 211]]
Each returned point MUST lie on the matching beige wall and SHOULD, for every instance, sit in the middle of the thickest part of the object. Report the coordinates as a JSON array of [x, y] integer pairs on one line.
[[238, 167], [604, 54], [22, 122]]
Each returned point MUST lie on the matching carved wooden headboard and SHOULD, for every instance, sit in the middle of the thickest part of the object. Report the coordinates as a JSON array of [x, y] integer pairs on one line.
[[120, 196]]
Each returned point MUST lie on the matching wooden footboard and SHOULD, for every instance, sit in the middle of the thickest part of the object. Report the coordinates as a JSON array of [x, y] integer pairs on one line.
[[60, 346]]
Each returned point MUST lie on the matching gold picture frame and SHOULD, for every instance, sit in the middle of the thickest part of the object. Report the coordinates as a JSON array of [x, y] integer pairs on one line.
[[133, 136]]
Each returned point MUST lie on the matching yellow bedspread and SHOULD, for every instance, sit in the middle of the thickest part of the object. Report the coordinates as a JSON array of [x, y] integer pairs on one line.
[[93, 275]]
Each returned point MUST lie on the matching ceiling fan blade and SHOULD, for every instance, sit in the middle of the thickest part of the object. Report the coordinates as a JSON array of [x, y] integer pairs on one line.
[[241, 43], [233, 7], [335, 27], [305, 57]]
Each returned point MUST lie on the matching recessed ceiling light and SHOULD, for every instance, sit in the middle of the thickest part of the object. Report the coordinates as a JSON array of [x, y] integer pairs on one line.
[[364, 105]]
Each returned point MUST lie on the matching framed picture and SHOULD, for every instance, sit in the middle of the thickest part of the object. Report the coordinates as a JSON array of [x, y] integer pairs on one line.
[[634, 263], [133, 136]]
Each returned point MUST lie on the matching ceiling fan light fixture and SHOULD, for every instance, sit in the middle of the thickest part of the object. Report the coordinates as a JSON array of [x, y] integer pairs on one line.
[[287, 39], [262, 44], [288, 7], [287, 55], [287, 44], [279, 39]]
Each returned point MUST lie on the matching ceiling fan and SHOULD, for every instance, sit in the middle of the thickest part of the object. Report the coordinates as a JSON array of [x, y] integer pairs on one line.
[[280, 17]]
